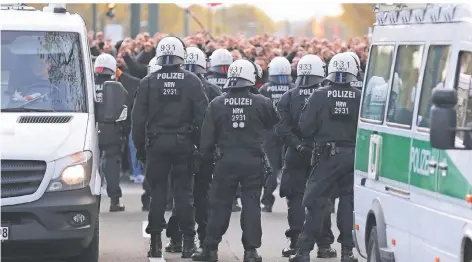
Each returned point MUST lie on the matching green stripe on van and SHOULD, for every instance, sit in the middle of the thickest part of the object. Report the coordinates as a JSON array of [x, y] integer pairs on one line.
[[405, 160]]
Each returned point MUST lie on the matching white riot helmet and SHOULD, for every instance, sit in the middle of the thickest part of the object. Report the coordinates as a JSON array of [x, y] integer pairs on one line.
[[310, 71], [220, 60], [170, 51], [342, 69], [153, 66], [241, 73], [280, 70], [105, 64], [195, 60]]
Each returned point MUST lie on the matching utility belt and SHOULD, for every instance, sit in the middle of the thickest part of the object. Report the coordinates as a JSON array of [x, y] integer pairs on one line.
[[220, 150], [323, 151], [152, 137]]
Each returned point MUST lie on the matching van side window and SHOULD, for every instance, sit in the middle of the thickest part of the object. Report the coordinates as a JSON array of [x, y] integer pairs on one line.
[[405, 79], [434, 75], [376, 87], [464, 91]]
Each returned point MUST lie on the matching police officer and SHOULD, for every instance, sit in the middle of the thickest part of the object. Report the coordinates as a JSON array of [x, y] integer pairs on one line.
[[360, 75], [195, 62], [296, 169], [220, 60], [169, 104], [235, 124], [236, 207], [280, 81], [146, 196], [110, 134], [330, 117]]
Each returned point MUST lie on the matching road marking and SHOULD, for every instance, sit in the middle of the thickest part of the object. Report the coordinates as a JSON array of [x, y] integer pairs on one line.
[[157, 259], [145, 235]]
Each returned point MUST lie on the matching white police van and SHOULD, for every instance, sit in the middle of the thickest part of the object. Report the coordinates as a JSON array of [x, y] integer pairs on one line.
[[413, 167], [50, 185]]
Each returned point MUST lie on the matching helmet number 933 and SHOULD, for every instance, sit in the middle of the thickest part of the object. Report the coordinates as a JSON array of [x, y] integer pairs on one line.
[[304, 66]]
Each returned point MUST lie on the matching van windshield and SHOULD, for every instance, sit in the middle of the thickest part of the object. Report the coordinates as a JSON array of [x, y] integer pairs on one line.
[[42, 71]]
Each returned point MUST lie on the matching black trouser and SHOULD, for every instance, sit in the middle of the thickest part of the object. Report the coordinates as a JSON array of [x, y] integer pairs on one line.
[[294, 177], [201, 202], [170, 152], [110, 162], [273, 148], [234, 167], [333, 177], [146, 196]]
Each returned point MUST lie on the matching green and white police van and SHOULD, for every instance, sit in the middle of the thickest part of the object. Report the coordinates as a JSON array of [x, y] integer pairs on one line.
[[413, 167], [50, 184]]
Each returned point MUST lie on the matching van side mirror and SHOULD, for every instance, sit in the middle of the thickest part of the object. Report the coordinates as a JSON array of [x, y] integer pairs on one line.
[[442, 126], [113, 107]]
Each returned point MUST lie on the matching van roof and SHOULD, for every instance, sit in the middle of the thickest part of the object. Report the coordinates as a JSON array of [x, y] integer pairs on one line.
[[42, 21], [410, 14]]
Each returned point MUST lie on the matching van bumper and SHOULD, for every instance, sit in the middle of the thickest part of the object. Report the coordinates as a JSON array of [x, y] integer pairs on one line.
[[58, 225]]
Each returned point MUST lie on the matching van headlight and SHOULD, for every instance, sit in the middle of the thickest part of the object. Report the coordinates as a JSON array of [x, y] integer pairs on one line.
[[72, 172]]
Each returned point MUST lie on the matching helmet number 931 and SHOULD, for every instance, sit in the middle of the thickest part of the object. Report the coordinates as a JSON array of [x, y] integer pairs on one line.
[[168, 49], [235, 71], [341, 65], [191, 56]]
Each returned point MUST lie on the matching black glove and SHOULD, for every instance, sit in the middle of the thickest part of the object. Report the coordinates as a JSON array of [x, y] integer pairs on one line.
[[304, 150], [141, 154]]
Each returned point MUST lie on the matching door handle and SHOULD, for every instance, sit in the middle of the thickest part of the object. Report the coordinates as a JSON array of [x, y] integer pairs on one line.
[[433, 163], [443, 166]]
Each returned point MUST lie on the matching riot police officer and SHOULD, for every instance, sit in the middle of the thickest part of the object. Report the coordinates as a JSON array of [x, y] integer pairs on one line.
[[169, 104], [146, 196], [110, 135], [220, 60], [360, 75], [234, 124], [236, 207], [195, 62], [296, 168], [330, 117], [280, 81]]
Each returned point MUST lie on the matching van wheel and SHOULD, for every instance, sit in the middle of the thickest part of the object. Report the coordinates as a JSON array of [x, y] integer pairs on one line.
[[91, 253], [373, 250]]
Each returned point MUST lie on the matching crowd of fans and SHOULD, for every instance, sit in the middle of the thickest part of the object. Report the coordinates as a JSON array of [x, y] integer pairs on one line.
[[133, 55]]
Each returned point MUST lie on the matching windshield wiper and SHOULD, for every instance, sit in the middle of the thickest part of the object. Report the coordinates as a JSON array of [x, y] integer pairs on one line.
[[25, 109]]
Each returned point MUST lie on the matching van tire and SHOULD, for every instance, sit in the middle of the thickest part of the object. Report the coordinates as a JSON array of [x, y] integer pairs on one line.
[[91, 253], [373, 249]]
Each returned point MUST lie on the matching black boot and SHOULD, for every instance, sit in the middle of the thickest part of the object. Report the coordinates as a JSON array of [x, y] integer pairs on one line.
[[236, 207], [266, 208], [205, 254], [290, 250], [251, 255], [115, 205], [188, 247], [326, 252], [300, 257], [348, 256], [175, 244], [155, 246]]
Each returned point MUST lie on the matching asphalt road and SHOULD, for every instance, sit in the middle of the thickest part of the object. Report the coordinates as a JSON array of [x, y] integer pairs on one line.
[[121, 234]]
